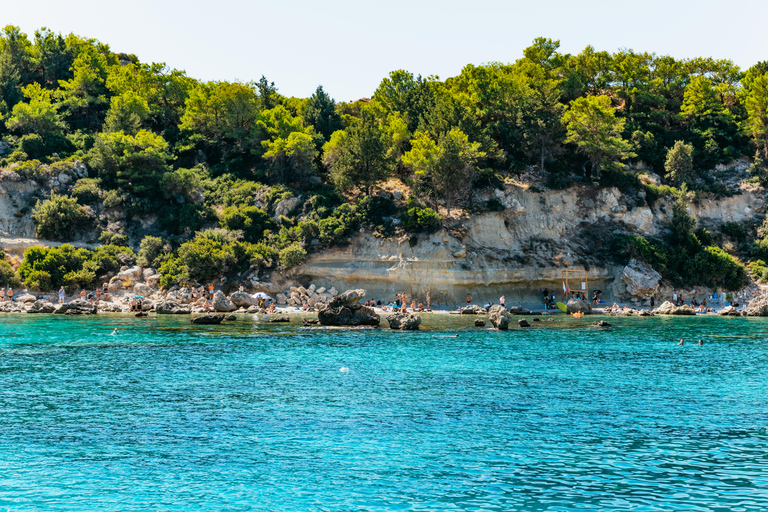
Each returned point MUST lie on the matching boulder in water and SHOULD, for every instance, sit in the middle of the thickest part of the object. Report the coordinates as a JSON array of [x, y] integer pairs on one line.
[[222, 303], [171, 308], [404, 322], [578, 306], [208, 319], [669, 308], [757, 307], [479, 322], [499, 317], [523, 323], [729, 311], [345, 309], [40, 306]]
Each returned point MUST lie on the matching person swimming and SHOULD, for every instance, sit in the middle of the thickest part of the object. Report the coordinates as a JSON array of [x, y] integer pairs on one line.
[[115, 332], [701, 342], [681, 342]]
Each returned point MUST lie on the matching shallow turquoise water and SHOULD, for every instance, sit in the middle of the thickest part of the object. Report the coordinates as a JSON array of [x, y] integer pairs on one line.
[[167, 416]]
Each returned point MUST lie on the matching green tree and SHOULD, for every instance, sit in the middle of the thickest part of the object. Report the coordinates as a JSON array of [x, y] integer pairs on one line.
[[292, 157], [133, 163], [358, 156], [54, 58], [679, 164], [127, 113], [58, 217], [756, 104], [83, 97], [250, 220], [594, 128], [292, 255], [320, 111], [39, 115], [445, 166]]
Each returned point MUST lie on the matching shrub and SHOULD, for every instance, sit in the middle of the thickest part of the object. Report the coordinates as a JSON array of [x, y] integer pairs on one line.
[[188, 217], [421, 219], [110, 257], [494, 205], [59, 217], [172, 271], [39, 280], [372, 209], [715, 265], [206, 257], [87, 190], [338, 224], [82, 278], [152, 251], [33, 145], [250, 220], [110, 238], [8, 276], [292, 255], [44, 268]]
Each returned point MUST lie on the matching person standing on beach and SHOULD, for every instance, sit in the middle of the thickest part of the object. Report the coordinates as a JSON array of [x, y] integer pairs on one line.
[[429, 298], [469, 299], [503, 302], [653, 301], [210, 291], [10, 294], [2, 294], [62, 294]]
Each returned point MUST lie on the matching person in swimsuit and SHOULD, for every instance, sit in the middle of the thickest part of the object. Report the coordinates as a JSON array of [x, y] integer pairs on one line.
[[469, 300]]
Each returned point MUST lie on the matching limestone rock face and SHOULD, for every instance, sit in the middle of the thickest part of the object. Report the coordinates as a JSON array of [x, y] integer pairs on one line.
[[758, 307], [404, 322], [39, 306], [222, 303], [578, 306], [670, 309], [285, 206], [76, 307], [242, 299], [208, 319], [345, 309], [729, 311], [641, 280], [499, 317], [171, 308], [142, 289]]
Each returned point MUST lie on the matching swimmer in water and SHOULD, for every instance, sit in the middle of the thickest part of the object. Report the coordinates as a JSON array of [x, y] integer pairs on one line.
[[681, 342], [701, 342], [446, 336], [115, 332]]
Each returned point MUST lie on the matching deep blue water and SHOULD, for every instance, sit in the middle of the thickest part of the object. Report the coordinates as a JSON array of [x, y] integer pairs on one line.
[[170, 417]]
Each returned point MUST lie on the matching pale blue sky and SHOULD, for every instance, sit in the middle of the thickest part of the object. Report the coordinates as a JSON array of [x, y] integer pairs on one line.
[[348, 47]]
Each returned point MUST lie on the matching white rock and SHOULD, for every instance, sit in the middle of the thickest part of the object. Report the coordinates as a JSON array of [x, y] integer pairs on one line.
[[641, 280]]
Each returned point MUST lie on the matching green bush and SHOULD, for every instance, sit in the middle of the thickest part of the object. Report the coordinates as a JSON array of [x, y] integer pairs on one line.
[[339, 224], [33, 145], [110, 238], [714, 266], [39, 280], [152, 251], [206, 257], [654, 192], [421, 220], [87, 190], [110, 257], [372, 209], [186, 218], [82, 278], [292, 255], [59, 217], [8, 276], [494, 205], [44, 268], [250, 220], [114, 198]]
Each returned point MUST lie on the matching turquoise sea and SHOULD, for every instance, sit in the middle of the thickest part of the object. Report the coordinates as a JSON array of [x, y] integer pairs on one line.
[[167, 416]]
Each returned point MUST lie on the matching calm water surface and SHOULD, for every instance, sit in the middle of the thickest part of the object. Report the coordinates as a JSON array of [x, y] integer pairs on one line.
[[170, 417]]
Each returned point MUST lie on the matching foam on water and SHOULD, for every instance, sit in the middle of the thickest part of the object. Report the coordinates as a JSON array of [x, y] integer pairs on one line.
[[167, 416]]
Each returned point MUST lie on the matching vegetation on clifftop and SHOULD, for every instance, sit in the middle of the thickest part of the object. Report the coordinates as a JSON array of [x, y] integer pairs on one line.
[[210, 178]]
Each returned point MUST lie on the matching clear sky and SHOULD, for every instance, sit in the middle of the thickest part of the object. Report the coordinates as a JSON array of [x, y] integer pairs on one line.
[[348, 47]]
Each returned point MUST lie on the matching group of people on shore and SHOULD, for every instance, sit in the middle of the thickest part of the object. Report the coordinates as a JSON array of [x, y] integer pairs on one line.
[[6, 294], [400, 304]]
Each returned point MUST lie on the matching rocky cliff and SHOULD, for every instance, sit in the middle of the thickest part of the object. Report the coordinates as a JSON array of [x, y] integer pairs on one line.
[[519, 251]]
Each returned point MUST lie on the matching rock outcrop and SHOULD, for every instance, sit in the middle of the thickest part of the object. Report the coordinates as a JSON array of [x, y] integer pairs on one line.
[[171, 308], [473, 310], [523, 323], [404, 322], [479, 322], [669, 308], [641, 280], [499, 317], [208, 319], [26, 297], [730, 311], [274, 319], [76, 307], [221, 303], [601, 323], [578, 306], [40, 306], [345, 309], [242, 299], [758, 307]]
